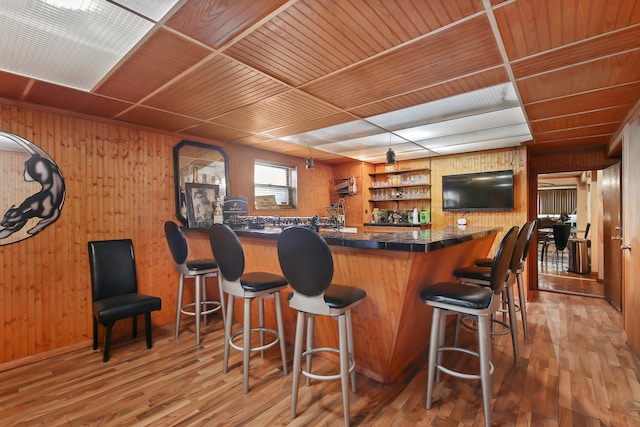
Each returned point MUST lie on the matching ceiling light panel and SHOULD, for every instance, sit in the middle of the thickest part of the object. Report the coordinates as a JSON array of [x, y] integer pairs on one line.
[[492, 98], [341, 132], [481, 146], [518, 130], [465, 124], [152, 9], [73, 43]]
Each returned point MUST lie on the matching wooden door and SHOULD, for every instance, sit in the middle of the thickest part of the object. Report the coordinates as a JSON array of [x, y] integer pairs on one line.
[[612, 233], [631, 234]]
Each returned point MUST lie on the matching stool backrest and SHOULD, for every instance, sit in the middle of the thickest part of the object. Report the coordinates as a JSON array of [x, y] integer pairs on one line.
[[522, 244], [502, 260], [305, 260], [227, 251], [177, 242], [532, 227]]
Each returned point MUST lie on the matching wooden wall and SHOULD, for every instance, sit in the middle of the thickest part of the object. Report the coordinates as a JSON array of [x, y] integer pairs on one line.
[[119, 185], [478, 162]]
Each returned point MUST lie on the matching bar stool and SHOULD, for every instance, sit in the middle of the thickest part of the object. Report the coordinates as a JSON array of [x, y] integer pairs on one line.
[[482, 276], [199, 270], [307, 264], [229, 255], [477, 301], [521, 304]]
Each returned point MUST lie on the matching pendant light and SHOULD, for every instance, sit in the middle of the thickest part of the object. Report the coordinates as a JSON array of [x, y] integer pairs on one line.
[[308, 164], [391, 156]]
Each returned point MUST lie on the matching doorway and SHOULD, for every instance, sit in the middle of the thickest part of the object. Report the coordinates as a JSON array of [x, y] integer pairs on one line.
[[569, 199]]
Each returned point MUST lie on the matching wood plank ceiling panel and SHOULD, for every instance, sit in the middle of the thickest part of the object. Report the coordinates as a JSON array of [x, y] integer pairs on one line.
[[216, 132], [610, 71], [529, 27], [12, 85], [608, 115], [214, 88], [471, 47], [161, 58], [157, 119], [216, 22], [604, 130], [320, 123], [626, 96], [286, 108], [431, 93], [311, 39], [66, 98]]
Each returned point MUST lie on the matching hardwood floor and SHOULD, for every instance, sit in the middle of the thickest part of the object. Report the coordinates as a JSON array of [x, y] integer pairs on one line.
[[553, 275], [575, 369]]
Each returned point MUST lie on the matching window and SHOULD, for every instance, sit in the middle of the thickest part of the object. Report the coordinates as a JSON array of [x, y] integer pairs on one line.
[[274, 181]]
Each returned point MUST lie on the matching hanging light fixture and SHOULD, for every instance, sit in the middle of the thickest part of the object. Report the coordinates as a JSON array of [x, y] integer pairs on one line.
[[309, 162], [391, 156]]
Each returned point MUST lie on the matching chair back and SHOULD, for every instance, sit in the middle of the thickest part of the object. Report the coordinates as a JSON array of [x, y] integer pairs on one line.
[[532, 227], [305, 260], [561, 233], [227, 251], [502, 260], [113, 268], [177, 245]]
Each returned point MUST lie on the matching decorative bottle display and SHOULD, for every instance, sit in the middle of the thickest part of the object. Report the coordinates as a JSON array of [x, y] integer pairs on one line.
[[415, 219]]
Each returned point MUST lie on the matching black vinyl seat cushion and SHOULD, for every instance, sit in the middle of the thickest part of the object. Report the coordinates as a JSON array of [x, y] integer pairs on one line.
[[201, 264], [258, 281], [458, 294], [123, 306], [474, 272], [341, 296]]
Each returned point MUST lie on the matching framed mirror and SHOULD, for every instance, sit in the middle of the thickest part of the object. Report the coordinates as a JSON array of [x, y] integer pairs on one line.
[[198, 163]]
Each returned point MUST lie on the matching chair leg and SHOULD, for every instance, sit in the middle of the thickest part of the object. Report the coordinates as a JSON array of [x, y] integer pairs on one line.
[[179, 308], [197, 308], [513, 322], [351, 348], [147, 328], [223, 306], [95, 333], [433, 353], [107, 341], [227, 334], [522, 300], [261, 324], [246, 343], [134, 326], [441, 336], [484, 344], [297, 361], [344, 365], [281, 338], [310, 332], [203, 295]]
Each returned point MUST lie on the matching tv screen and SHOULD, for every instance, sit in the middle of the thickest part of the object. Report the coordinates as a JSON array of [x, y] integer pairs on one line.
[[485, 191]]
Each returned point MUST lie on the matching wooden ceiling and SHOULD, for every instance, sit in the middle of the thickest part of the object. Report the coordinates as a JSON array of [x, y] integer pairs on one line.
[[249, 72]]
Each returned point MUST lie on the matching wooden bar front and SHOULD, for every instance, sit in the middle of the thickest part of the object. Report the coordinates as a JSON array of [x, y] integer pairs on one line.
[[391, 326]]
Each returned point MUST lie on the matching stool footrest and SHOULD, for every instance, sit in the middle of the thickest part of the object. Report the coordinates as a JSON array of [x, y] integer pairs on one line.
[[458, 373], [329, 377], [216, 304], [263, 347]]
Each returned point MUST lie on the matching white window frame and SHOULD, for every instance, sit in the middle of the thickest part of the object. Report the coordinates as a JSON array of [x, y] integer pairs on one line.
[[285, 192]]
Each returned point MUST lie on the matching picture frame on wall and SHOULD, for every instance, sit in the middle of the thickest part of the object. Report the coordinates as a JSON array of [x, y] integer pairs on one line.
[[201, 204]]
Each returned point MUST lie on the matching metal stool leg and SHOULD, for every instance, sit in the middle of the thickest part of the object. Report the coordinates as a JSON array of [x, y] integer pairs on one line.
[[179, 308], [344, 365], [433, 353], [297, 361], [484, 344], [522, 301]]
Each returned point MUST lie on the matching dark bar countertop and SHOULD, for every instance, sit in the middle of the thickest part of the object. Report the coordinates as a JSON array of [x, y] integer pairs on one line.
[[407, 241]]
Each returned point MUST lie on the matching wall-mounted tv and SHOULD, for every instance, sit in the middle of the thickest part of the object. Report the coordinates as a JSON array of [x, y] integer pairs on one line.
[[484, 191]]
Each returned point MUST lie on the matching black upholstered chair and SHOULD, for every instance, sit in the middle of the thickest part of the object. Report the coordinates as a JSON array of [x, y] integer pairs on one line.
[[561, 234], [466, 299], [197, 269], [257, 285], [114, 290], [522, 250], [307, 264]]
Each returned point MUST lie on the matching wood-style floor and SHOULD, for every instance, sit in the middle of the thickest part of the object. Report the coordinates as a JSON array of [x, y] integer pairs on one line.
[[553, 275], [574, 370]]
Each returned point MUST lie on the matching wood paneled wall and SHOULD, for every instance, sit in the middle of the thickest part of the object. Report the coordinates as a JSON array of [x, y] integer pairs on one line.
[[480, 162], [119, 185]]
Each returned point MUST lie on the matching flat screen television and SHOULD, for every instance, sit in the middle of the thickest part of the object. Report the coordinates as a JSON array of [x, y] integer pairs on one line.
[[484, 191]]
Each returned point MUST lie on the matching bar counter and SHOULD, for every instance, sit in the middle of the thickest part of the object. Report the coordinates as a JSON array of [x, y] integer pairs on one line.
[[391, 326]]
